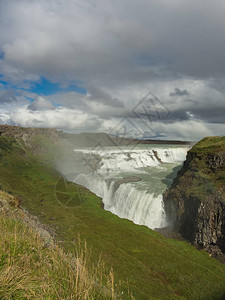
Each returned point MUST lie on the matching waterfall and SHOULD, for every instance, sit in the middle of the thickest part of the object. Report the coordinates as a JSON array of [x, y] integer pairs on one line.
[[129, 160], [127, 202], [127, 199]]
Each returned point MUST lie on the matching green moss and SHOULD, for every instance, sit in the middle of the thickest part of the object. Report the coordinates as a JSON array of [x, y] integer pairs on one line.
[[200, 180], [210, 144]]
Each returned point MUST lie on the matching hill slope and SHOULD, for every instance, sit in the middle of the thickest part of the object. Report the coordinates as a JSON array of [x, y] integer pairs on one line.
[[33, 267]]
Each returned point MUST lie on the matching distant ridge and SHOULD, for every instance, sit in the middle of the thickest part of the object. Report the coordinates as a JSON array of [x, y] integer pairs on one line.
[[93, 139], [166, 142], [83, 139]]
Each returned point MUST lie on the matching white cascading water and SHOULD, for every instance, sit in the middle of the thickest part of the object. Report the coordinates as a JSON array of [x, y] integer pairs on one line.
[[127, 160], [139, 200]]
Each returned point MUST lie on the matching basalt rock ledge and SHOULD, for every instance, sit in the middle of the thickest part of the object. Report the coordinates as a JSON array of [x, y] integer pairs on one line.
[[195, 203]]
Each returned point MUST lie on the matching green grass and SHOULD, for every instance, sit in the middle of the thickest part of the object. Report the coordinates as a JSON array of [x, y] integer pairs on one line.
[[30, 270], [201, 181], [214, 143], [156, 267]]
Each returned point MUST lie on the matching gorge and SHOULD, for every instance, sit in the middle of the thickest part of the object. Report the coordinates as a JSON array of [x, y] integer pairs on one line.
[[131, 181], [154, 266]]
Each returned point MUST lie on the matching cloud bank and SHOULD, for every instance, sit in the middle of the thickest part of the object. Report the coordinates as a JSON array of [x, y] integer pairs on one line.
[[117, 51]]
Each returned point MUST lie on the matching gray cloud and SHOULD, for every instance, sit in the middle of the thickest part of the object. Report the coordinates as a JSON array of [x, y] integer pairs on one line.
[[115, 41], [178, 92], [96, 101], [7, 96], [99, 96]]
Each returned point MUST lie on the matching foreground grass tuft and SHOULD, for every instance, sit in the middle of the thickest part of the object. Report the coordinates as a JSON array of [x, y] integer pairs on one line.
[[30, 270]]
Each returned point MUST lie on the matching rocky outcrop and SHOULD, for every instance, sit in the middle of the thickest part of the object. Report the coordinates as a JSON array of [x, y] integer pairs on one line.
[[210, 232], [195, 203], [32, 139], [26, 133]]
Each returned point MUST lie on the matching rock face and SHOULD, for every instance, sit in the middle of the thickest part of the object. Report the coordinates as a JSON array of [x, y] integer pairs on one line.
[[195, 203], [27, 133]]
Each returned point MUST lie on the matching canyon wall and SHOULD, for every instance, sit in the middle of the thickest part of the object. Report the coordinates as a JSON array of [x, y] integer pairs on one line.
[[195, 203]]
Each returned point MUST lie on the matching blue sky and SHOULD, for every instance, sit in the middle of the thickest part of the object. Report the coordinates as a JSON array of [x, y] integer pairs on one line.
[[87, 64], [45, 88]]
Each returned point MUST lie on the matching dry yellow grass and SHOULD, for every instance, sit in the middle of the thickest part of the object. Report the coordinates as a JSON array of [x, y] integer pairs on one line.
[[30, 270]]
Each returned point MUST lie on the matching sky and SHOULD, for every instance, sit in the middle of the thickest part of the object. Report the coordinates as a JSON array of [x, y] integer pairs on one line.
[[134, 68]]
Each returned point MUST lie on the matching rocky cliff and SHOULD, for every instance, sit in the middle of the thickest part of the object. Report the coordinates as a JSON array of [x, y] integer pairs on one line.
[[195, 203]]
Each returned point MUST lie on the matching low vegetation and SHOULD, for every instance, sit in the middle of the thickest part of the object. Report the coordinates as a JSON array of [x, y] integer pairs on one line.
[[206, 173], [214, 143], [30, 269]]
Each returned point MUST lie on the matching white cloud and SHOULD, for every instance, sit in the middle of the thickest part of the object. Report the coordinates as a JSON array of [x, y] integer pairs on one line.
[[190, 130], [61, 118], [172, 131], [74, 120]]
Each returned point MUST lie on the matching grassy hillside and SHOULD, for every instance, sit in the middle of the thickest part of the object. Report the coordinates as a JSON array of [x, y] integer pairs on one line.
[[204, 174], [156, 267], [31, 270], [215, 143]]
